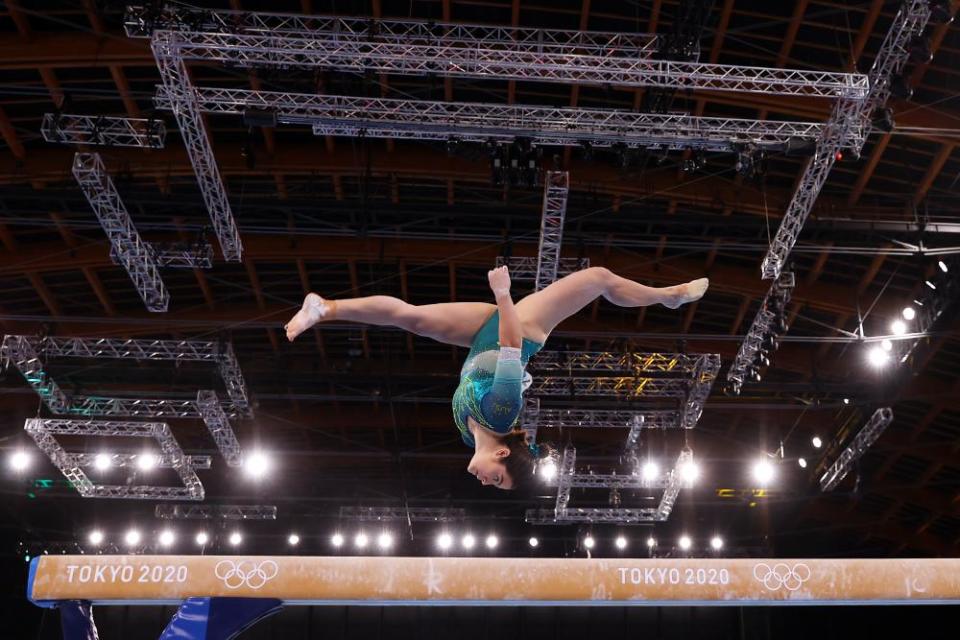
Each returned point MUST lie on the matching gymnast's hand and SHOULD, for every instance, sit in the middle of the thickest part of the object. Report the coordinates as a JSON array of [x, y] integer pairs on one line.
[[499, 281]]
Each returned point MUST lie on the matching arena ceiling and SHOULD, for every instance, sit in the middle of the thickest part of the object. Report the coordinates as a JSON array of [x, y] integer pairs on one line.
[[360, 416]]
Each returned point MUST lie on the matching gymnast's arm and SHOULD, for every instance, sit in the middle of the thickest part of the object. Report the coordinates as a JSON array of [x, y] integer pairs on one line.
[[511, 335], [502, 403]]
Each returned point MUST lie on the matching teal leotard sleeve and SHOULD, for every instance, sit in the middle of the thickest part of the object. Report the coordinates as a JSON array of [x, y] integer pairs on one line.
[[500, 405]]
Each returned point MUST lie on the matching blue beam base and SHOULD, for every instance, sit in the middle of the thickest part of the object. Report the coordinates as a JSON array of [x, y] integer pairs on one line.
[[76, 620], [217, 618]]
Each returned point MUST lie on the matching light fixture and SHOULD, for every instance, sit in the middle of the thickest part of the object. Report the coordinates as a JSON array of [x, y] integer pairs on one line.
[[468, 541], [293, 539], [166, 538], [102, 462], [548, 470], [589, 542], [256, 464], [909, 313], [95, 538], [802, 462], [716, 543], [942, 265], [898, 327], [19, 460], [877, 357], [685, 542], [336, 539], [930, 284], [146, 461], [763, 471], [385, 540], [360, 540], [650, 471], [444, 541], [132, 538], [689, 472], [846, 401], [886, 345], [202, 538], [621, 542], [235, 539], [651, 542], [816, 442], [492, 541], [534, 542]]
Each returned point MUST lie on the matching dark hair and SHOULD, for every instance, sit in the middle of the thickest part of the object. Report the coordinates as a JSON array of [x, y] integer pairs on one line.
[[521, 463]]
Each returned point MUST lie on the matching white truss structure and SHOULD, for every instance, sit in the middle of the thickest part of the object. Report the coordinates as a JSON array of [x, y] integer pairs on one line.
[[578, 418], [874, 428], [760, 328], [176, 79], [44, 432], [525, 268], [213, 415], [849, 115], [556, 189], [127, 247], [403, 514], [567, 479], [178, 255], [103, 130], [132, 459], [215, 512]]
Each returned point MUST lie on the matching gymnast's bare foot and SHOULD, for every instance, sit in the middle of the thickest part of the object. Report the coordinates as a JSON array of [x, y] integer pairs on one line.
[[684, 293], [314, 310]]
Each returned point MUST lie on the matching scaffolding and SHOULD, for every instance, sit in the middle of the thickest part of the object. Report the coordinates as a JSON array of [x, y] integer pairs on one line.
[[148, 133]]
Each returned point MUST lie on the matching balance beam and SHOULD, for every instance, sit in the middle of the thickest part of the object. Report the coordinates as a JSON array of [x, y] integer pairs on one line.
[[391, 581]]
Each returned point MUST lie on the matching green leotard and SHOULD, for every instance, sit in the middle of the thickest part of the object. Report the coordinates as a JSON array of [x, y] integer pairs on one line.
[[490, 391]]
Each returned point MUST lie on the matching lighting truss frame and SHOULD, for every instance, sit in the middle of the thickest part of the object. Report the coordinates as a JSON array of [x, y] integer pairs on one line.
[[44, 430], [122, 460], [849, 115], [864, 439], [177, 255], [126, 245], [525, 268], [403, 514], [146, 133], [25, 353], [556, 189], [760, 328], [213, 415], [215, 512]]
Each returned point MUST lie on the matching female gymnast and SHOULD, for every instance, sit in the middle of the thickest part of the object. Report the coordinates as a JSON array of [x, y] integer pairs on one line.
[[502, 339]]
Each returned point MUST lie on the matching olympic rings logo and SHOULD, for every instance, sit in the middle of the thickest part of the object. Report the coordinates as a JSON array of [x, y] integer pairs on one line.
[[781, 575], [246, 573]]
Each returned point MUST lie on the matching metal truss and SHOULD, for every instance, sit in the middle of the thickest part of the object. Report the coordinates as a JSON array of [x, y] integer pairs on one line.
[[44, 432], [177, 255], [128, 249], [215, 512], [849, 120], [874, 428], [677, 364], [402, 514], [131, 459], [567, 478], [761, 329], [221, 353], [704, 375], [213, 415], [577, 418], [176, 79], [556, 188], [142, 21], [22, 352], [498, 59], [103, 130], [526, 268], [481, 122], [608, 386]]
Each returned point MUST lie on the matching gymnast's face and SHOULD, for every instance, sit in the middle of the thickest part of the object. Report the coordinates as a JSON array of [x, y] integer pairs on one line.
[[488, 467]]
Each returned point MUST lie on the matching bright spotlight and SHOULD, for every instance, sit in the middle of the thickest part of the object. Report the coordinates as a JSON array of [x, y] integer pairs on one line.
[[886, 345], [548, 470], [650, 471], [95, 538], [202, 538], [534, 542], [898, 327], [102, 462], [445, 541], [385, 540], [621, 542], [877, 357], [802, 462], [846, 401], [716, 543], [146, 461], [360, 540], [257, 464], [651, 542], [942, 265], [685, 542], [293, 539], [689, 472], [589, 542], [492, 541], [816, 442], [930, 284], [19, 460], [132, 538], [763, 471], [909, 313], [468, 541], [235, 539], [336, 539], [166, 538]]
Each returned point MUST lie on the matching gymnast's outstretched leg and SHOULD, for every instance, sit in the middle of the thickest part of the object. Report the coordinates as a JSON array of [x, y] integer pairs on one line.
[[540, 312], [451, 323]]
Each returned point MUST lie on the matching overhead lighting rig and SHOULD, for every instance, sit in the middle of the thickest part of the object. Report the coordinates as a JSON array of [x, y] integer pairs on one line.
[[858, 446], [758, 346]]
